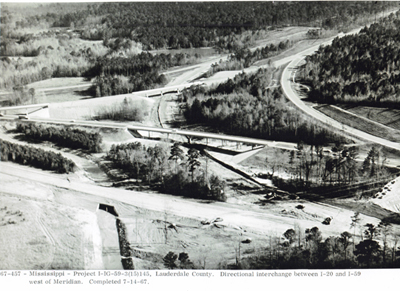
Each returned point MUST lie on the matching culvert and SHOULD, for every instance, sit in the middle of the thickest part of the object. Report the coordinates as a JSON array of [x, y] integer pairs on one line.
[[124, 245], [108, 208]]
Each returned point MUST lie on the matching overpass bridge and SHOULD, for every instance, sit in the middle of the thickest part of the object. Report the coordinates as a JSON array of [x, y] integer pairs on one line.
[[189, 134]]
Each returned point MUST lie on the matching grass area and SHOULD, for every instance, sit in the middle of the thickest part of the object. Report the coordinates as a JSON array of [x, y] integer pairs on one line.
[[58, 82], [203, 52], [30, 240], [270, 159], [386, 116], [275, 36], [88, 108], [63, 95], [360, 123], [126, 111], [298, 46]]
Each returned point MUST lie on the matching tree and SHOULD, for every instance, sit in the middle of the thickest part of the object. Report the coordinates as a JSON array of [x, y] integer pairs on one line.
[[367, 252], [46, 73], [176, 154], [185, 263], [193, 161], [355, 219], [217, 189], [371, 232], [290, 235], [385, 229], [313, 238], [32, 93], [344, 240], [169, 260], [332, 245]]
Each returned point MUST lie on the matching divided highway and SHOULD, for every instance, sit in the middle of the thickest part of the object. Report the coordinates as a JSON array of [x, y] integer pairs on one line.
[[187, 133], [287, 79]]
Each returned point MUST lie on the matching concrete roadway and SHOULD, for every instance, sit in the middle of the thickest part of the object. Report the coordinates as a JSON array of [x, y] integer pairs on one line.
[[287, 79], [171, 131]]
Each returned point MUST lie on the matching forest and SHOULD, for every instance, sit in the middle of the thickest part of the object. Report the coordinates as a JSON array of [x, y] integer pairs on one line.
[[120, 75], [57, 56], [66, 137], [243, 106], [35, 157], [43, 41], [197, 24], [173, 171], [359, 69]]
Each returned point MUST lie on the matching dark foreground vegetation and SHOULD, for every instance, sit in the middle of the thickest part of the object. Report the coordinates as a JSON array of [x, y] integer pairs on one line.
[[243, 106], [363, 246], [359, 69], [66, 137], [377, 248], [169, 169], [35, 157]]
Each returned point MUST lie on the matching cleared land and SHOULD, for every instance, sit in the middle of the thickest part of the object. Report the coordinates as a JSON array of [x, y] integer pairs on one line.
[[90, 108], [37, 233], [386, 116], [211, 245], [360, 123]]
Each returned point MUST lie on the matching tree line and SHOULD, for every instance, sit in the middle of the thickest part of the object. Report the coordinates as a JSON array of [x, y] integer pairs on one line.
[[308, 250], [244, 106], [248, 57], [174, 172], [317, 168], [66, 137], [242, 57], [359, 69], [35, 157]]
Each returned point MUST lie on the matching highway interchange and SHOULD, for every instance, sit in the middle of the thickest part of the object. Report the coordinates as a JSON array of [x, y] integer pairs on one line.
[[252, 219], [287, 79]]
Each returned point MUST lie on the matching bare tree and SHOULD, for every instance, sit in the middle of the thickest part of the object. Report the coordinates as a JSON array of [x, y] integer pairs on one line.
[[385, 229], [344, 240], [355, 219]]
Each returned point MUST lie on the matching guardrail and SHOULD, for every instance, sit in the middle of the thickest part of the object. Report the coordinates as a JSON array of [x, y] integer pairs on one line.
[[43, 105]]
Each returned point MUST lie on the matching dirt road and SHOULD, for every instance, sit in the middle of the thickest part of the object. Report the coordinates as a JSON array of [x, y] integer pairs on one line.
[[244, 216]]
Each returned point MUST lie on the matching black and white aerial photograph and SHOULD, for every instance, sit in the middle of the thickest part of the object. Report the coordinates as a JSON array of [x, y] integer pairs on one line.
[[198, 136]]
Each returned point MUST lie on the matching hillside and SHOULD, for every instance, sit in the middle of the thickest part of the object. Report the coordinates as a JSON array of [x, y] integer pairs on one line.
[[359, 69]]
